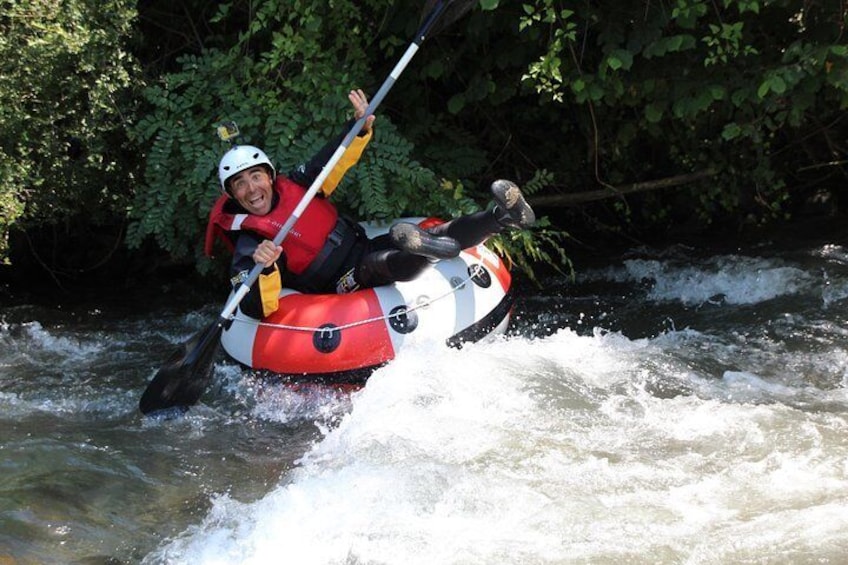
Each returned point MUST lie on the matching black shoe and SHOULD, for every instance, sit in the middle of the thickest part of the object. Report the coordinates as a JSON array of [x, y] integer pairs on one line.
[[512, 210], [412, 239]]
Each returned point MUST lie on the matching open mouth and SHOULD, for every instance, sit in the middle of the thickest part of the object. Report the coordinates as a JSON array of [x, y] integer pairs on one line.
[[257, 202]]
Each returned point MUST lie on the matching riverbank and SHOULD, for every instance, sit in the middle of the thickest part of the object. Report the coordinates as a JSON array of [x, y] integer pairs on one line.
[[588, 246], [149, 276]]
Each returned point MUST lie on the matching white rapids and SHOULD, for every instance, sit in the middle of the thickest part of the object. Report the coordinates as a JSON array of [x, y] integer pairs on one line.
[[699, 444]]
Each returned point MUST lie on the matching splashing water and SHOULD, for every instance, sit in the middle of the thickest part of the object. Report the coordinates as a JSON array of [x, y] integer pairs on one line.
[[664, 409]]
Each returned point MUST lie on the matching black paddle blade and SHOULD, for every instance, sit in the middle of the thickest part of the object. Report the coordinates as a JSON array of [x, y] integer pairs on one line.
[[452, 10], [184, 377]]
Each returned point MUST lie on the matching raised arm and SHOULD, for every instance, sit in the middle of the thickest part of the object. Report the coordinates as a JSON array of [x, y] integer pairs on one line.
[[305, 173]]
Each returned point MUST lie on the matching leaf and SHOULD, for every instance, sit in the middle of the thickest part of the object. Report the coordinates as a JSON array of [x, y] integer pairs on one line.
[[653, 112], [434, 69], [620, 59], [774, 84], [578, 85], [731, 131], [596, 92], [456, 103], [717, 92]]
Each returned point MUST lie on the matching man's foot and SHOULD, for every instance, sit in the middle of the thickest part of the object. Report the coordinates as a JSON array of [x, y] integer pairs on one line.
[[412, 239], [512, 210]]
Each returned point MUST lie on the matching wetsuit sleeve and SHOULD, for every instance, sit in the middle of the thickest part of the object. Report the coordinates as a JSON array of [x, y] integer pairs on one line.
[[263, 297], [307, 172]]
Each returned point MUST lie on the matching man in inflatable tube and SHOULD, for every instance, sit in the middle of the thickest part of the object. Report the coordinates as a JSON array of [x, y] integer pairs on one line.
[[324, 252]]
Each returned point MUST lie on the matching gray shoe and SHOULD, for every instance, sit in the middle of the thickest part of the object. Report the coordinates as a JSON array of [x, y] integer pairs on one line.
[[511, 209], [412, 239]]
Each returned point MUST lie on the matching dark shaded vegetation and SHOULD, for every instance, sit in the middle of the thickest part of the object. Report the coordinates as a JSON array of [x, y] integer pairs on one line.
[[626, 122]]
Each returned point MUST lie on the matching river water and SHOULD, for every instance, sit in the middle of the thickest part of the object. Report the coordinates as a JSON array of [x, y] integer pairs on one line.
[[671, 405]]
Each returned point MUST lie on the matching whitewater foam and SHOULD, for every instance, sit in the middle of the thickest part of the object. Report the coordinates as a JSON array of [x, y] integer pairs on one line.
[[535, 450]]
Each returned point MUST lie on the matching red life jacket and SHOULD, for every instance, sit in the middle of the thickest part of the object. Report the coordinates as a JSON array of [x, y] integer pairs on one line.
[[302, 243]]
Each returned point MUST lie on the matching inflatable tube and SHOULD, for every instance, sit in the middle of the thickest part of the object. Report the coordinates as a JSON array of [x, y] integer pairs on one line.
[[452, 301]]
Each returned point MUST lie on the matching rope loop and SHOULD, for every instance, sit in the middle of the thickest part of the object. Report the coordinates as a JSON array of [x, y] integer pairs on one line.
[[473, 271]]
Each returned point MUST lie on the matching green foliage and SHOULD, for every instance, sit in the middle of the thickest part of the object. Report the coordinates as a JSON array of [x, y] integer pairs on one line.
[[284, 80], [543, 246], [753, 89], [560, 97], [179, 177], [66, 80]]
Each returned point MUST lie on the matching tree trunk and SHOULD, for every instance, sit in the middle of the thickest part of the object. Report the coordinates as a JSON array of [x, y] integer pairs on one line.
[[575, 198]]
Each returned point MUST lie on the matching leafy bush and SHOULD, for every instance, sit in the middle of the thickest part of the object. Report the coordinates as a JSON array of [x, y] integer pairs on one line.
[[284, 81], [753, 89], [66, 79], [561, 98]]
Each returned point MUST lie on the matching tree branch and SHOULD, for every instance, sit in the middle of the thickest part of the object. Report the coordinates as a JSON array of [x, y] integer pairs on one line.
[[572, 199]]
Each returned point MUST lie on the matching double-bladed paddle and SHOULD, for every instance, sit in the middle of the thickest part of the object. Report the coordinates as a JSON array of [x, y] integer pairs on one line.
[[181, 381]]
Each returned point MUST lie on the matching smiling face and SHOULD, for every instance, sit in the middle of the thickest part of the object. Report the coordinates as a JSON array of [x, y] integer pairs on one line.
[[252, 189]]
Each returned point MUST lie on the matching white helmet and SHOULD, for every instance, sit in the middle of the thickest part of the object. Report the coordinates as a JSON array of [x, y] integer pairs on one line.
[[238, 159]]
